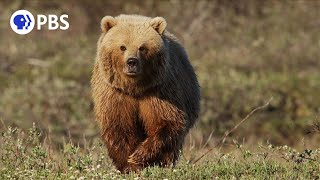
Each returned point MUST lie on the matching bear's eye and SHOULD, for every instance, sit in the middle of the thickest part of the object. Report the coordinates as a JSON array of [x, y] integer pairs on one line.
[[142, 48], [123, 48]]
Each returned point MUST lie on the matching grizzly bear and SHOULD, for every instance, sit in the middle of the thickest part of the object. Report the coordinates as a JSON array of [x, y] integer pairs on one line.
[[145, 92]]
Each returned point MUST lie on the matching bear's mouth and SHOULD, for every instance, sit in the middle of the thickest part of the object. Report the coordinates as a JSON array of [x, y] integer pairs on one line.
[[132, 73]]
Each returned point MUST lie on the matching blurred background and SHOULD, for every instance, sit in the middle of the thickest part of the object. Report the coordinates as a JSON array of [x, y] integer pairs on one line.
[[244, 53]]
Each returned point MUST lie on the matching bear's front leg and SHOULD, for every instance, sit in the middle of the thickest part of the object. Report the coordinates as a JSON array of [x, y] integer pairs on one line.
[[120, 144], [165, 127], [120, 129]]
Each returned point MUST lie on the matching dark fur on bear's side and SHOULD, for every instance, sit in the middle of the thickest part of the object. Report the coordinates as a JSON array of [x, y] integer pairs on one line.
[[143, 118]]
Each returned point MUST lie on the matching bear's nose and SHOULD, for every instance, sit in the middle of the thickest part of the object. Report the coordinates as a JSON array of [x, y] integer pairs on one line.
[[132, 62]]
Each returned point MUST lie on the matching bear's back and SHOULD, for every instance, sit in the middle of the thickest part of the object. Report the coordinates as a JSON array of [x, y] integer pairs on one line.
[[185, 77]]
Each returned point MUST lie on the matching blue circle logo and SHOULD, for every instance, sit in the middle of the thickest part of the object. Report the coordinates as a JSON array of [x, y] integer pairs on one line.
[[22, 22]]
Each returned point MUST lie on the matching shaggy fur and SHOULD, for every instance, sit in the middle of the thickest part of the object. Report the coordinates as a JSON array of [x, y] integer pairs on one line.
[[143, 118]]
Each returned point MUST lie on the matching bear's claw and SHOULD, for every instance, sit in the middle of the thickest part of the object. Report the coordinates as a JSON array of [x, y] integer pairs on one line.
[[131, 160]]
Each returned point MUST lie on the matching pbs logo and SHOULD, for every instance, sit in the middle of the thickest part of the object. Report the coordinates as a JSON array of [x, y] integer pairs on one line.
[[22, 22]]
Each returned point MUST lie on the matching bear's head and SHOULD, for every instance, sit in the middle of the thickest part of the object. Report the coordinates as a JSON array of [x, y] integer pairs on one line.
[[132, 52]]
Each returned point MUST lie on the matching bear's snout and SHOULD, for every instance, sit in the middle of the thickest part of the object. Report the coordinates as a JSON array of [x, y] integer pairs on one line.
[[132, 66]]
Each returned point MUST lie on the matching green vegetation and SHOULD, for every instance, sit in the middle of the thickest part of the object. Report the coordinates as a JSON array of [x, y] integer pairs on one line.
[[243, 53], [24, 157]]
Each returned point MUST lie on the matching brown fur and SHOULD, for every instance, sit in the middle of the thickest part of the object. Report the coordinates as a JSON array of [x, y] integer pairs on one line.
[[144, 118]]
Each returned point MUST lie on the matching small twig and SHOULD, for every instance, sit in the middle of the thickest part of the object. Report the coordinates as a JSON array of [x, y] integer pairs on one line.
[[4, 125], [227, 133], [208, 140]]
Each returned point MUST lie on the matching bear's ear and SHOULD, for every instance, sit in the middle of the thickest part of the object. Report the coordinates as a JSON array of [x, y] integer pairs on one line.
[[159, 24], [107, 23]]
